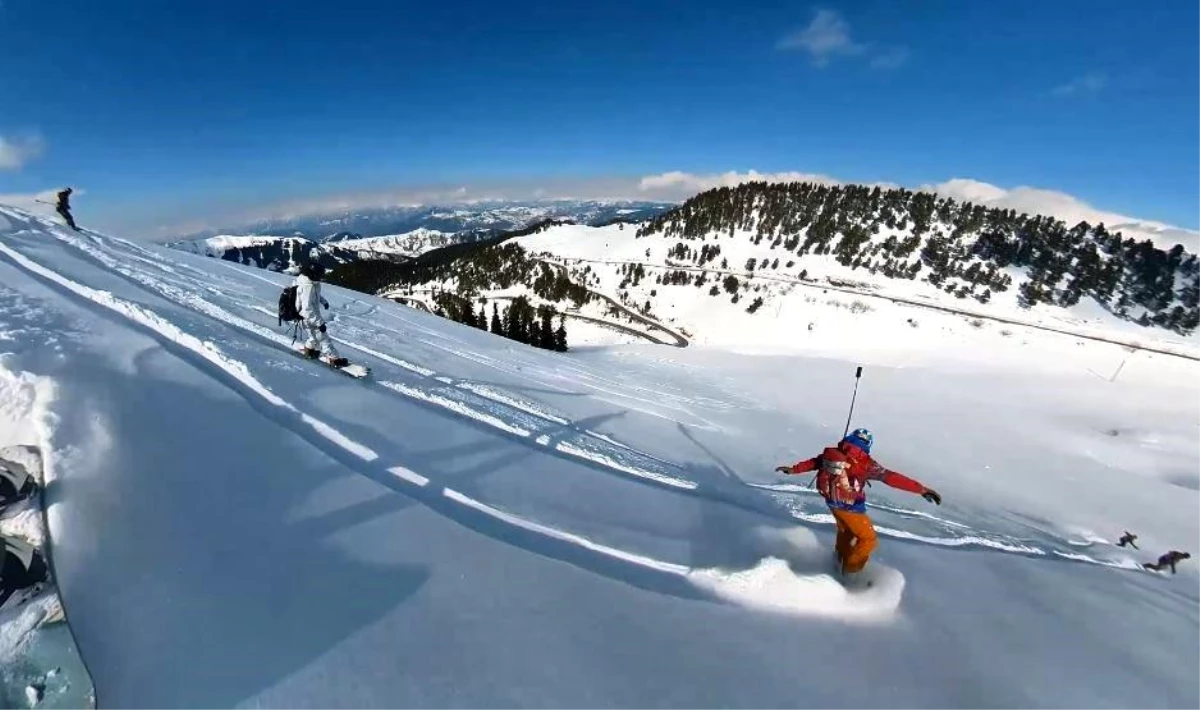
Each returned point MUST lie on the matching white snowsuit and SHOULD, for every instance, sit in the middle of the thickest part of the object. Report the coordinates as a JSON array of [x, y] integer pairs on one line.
[[309, 302]]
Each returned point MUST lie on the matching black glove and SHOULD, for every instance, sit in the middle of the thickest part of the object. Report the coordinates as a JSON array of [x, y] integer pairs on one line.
[[325, 304], [783, 469], [322, 328], [932, 496]]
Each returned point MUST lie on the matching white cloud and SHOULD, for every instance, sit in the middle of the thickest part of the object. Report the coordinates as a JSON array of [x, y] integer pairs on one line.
[[16, 151], [827, 36], [1069, 209], [1089, 83], [892, 58]]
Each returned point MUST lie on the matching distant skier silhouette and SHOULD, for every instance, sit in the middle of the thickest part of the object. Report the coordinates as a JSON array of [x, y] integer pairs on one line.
[[1127, 539], [1168, 560], [64, 207]]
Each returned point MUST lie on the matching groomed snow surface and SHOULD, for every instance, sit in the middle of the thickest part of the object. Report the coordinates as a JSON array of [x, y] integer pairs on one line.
[[485, 524]]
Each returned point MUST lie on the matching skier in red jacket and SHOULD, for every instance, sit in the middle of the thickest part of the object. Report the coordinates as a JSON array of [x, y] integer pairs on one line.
[[842, 474]]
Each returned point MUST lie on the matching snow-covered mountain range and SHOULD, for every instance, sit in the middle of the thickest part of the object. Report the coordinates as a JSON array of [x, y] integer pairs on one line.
[[267, 252], [399, 246], [399, 233], [481, 523], [280, 253], [484, 218]]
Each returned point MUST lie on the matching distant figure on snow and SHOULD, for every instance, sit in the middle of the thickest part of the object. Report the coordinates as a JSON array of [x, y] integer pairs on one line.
[[308, 302], [842, 473], [1127, 539], [1168, 560], [64, 207]]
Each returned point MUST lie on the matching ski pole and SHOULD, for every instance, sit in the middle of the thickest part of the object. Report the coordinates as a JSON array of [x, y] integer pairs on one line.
[[857, 377]]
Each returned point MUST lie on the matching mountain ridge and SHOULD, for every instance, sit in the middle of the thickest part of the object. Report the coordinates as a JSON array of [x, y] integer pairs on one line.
[[491, 216]]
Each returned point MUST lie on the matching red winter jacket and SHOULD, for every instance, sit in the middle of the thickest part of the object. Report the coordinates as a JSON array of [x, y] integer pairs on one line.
[[848, 491]]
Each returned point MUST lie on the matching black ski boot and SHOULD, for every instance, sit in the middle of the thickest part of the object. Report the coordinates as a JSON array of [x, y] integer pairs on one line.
[[312, 353], [338, 362]]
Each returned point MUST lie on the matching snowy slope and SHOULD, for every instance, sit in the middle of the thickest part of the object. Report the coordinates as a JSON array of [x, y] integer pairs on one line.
[[487, 524], [851, 305]]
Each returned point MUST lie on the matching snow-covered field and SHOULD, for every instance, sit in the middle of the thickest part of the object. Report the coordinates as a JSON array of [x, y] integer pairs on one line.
[[831, 302], [483, 523]]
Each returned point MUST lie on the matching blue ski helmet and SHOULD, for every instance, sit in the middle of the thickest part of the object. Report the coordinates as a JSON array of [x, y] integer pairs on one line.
[[861, 438]]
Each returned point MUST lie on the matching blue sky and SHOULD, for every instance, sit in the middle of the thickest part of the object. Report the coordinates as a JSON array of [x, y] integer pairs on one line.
[[166, 113]]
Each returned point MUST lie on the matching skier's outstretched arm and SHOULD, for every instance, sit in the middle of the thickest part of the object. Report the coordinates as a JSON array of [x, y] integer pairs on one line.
[[898, 480], [800, 467]]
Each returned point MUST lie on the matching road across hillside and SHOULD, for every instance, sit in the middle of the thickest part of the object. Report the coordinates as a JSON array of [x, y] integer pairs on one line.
[[577, 316], [1159, 349], [680, 341]]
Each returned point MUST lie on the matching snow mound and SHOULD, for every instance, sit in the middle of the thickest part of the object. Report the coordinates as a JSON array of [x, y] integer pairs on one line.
[[18, 621]]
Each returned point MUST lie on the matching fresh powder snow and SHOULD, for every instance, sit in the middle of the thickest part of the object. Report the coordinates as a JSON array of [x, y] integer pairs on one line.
[[484, 523]]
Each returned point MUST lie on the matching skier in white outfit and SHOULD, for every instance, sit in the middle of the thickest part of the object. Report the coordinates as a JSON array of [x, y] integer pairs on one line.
[[309, 302]]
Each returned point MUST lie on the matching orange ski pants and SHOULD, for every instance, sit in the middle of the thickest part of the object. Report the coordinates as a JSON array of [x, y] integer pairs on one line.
[[855, 539]]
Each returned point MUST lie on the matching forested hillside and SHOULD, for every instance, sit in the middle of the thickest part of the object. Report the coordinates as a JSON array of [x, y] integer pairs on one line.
[[968, 250], [459, 277]]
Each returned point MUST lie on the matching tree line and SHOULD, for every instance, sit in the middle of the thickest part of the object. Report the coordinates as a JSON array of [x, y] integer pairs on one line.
[[462, 272], [521, 321], [965, 249]]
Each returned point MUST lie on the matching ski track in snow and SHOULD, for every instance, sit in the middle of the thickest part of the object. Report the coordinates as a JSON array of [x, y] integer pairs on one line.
[[333, 442], [727, 587], [481, 404], [451, 401]]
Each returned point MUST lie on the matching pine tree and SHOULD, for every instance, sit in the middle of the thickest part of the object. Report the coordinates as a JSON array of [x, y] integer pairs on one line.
[[516, 329], [545, 337], [497, 326], [560, 335]]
